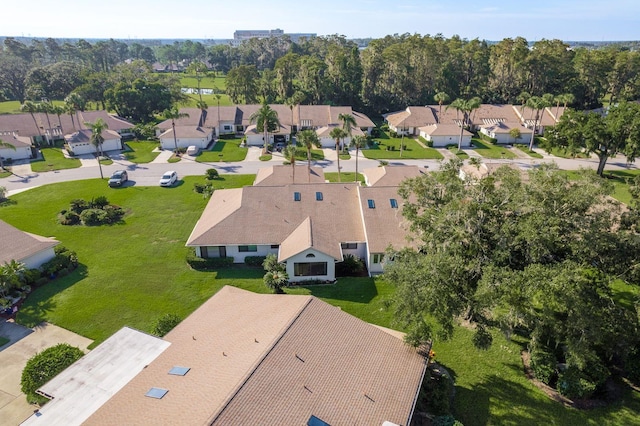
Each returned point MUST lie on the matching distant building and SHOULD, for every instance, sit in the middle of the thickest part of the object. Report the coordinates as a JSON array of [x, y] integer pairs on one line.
[[241, 35]]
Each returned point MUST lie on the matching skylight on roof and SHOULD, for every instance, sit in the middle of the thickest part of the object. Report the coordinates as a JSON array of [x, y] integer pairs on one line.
[[314, 421], [157, 393], [296, 196], [318, 196], [372, 204], [394, 203], [179, 371]]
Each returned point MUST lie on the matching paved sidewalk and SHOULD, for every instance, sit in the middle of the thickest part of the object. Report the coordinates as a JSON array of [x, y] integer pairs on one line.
[[25, 343], [163, 157]]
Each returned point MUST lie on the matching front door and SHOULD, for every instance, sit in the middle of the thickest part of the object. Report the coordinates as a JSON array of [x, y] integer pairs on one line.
[[223, 251]]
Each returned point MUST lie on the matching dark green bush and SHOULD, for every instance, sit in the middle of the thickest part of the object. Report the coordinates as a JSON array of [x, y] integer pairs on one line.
[[254, 260], [210, 263], [350, 266], [165, 324], [30, 276], [487, 138], [69, 218], [543, 364], [227, 136], [91, 217], [78, 205], [212, 174], [44, 366], [447, 420], [425, 142], [572, 383], [63, 259], [632, 366], [99, 202], [436, 391]]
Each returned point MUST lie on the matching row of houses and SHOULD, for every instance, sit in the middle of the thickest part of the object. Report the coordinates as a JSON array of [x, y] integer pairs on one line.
[[442, 125], [24, 132], [201, 126]]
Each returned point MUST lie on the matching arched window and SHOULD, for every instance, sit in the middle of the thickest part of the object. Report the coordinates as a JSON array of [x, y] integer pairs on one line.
[[310, 255]]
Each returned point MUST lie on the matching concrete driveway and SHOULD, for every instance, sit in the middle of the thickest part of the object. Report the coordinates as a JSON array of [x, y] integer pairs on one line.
[[24, 343]]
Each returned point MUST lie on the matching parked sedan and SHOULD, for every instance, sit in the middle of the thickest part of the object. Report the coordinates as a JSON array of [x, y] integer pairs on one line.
[[118, 178], [169, 178]]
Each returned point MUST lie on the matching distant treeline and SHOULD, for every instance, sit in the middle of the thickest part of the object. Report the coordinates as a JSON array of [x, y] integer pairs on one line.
[[389, 74]]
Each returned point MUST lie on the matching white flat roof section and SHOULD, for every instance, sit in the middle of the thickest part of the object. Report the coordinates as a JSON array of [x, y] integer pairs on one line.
[[86, 385]]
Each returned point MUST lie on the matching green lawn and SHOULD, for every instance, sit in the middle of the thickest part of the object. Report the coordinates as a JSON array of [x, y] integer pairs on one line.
[[5, 173], [228, 150], [54, 159], [459, 152], [138, 273], [345, 155], [412, 150], [13, 107], [316, 155], [344, 177], [619, 180], [3, 341], [206, 83], [142, 151], [562, 153], [489, 150], [526, 150]]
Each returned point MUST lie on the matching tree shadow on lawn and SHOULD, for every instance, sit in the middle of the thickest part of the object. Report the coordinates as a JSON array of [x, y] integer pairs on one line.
[[40, 302], [350, 289]]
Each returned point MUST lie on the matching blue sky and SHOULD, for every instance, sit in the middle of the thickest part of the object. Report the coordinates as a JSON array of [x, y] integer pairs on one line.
[[595, 20]]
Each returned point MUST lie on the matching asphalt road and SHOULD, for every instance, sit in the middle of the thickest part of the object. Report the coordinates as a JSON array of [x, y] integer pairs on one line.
[[149, 174]]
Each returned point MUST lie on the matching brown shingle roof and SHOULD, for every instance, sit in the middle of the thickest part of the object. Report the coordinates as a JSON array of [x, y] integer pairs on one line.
[[391, 175], [413, 116], [84, 135], [16, 141], [444, 130], [18, 245], [283, 175], [185, 132]]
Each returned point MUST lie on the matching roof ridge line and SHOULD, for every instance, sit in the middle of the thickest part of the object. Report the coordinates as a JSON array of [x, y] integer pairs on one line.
[[252, 371]]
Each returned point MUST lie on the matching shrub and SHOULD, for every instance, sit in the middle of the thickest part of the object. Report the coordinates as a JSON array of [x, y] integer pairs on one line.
[[487, 138], [384, 127], [543, 364], [202, 264], [447, 420], [350, 266], [30, 276], [212, 174], [69, 218], [165, 324], [3, 192], [44, 366], [99, 202], [425, 142], [114, 213], [78, 205], [393, 133], [436, 391], [572, 383], [92, 217], [254, 260], [63, 259]]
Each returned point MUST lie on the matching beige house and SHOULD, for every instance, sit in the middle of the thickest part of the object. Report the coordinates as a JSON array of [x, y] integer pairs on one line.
[[442, 135], [309, 226], [22, 144], [186, 136], [501, 132], [24, 247], [79, 143], [244, 359]]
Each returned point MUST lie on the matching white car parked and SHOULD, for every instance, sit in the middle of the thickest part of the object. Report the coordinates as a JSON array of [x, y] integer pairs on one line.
[[169, 178], [193, 150]]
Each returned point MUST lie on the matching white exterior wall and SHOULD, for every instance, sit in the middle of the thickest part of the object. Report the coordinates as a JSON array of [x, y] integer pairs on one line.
[[374, 268], [21, 153], [226, 127], [168, 143], [89, 148], [327, 142], [233, 251], [255, 140], [319, 257], [35, 260], [441, 141], [360, 252]]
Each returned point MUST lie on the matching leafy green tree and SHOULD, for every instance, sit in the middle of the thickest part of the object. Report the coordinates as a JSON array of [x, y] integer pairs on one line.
[[44, 366], [165, 324], [348, 123], [266, 119], [440, 98], [465, 107], [242, 84], [308, 139], [11, 274], [276, 275], [140, 100], [13, 72], [174, 114], [289, 154], [538, 105], [338, 135], [199, 70], [97, 128]]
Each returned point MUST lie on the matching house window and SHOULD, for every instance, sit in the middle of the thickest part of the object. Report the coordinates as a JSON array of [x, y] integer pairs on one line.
[[377, 257], [275, 246], [318, 196], [247, 249], [239, 128], [227, 127], [310, 255], [372, 204], [394, 203], [309, 269], [349, 246], [296, 196]]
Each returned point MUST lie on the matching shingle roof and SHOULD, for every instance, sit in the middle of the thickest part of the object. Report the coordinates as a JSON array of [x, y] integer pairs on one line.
[[16, 141], [413, 116], [84, 135], [444, 130], [185, 132], [272, 359], [391, 175], [24, 125], [18, 245], [283, 175], [269, 214]]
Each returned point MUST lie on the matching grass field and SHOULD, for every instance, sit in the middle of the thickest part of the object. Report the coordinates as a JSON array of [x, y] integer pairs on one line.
[[316, 154], [228, 150], [526, 150], [489, 150], [54, 159], [142, 151], [412, 150], [459, 152], [137, 272], [344, 177], [206, 83], [13, 107]]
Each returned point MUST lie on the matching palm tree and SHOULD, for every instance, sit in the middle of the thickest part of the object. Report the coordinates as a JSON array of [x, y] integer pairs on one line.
[[565, 98], [338, 134], [523, 97], [58, 110], [538, 104], [292, 101], [266, 120], [348, 123], [290, 155], [76, 102], [440, 98], [4, 144], [97, 139], [32, 108], [203, 111], [308, 139], [358, 142], [199, 70], [11, 274], [174, 114], [465, 107], [46, 107]]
